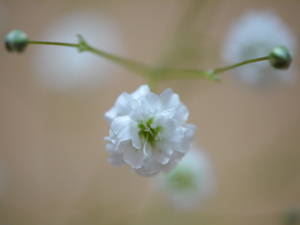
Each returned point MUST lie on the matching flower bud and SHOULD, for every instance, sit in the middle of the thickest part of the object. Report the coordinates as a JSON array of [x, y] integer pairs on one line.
[[280, 57], [16, 41]]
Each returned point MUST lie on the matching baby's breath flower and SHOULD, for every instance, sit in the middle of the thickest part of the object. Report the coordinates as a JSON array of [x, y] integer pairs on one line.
[[256, 34], [148, 132], [190, 181]]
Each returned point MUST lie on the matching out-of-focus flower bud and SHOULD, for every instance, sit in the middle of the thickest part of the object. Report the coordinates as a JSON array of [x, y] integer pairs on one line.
[[16, 41], [280, 57]]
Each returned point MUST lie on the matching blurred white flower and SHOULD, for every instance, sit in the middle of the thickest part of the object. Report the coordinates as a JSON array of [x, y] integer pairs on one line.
[[62, 68], [148, 131], [255, 35], [190, 182]]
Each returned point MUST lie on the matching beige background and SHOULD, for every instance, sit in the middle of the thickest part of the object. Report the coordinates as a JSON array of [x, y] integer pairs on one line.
[[51, 143]]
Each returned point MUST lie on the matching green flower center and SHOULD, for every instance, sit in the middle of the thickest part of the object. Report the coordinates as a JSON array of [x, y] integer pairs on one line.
[[147, 132], [181, 180]]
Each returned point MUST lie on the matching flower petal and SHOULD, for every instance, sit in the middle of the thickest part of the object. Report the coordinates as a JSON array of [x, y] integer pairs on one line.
[[175, 157], [172, 103], [136, 141], [120, 128], [149, 168], [161, 157], [184, 138], [121, 107], [141, 91], [132, 156], [163, 152]]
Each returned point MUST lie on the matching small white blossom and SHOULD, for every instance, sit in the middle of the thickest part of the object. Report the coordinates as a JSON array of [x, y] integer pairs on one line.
[[148, 131], [255, 35], [190, 182]]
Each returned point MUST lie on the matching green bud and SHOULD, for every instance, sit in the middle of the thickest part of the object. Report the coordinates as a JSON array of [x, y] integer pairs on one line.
[[280, 57], [16, 41]]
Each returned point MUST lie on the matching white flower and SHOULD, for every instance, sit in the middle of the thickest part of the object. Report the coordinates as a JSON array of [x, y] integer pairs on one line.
[[190, 182], [255, 35], [63, 68], [148, 131]]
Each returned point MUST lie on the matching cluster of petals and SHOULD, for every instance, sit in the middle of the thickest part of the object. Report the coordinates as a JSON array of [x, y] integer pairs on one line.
[[148, 131]]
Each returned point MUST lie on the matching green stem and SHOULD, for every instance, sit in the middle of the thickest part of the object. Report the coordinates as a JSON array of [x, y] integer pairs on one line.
[[153, 74], [53, 43], [83, 46], [226, 68], [176, 73], [131, 65]]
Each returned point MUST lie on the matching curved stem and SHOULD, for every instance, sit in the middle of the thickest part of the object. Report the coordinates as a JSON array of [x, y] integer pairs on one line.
[[148, 71], [131, 65], [83, 46], [224, 69]]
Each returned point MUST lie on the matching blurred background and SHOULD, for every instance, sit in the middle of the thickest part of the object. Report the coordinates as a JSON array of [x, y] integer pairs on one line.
[[53, 168]]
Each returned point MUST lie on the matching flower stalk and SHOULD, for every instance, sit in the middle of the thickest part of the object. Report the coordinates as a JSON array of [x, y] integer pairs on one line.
[[153, 74], [226, 68], [83, 46]]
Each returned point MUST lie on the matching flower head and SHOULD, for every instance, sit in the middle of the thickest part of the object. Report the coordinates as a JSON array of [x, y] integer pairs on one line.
[[148, 131], [256, 34], [190, 182]]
